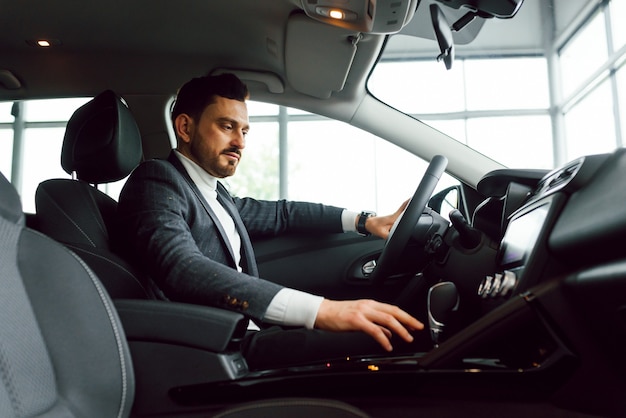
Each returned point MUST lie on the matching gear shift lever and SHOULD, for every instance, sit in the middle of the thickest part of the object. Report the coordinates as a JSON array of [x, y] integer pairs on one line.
[[443, 299]]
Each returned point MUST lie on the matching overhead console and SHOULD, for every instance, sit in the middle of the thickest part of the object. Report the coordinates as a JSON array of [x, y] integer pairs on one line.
[[367, 16], [390, 16]]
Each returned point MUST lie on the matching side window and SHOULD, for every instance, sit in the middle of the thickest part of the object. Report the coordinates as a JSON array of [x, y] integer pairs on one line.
[[6, 139], [296, 155], [31, 136], [289, 154]]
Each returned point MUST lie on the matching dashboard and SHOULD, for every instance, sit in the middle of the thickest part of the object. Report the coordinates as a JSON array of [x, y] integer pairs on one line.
[[547, 233], [552, 259]]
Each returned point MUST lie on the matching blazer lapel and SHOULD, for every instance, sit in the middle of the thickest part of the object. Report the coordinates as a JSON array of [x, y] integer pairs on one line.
[[173, 159], [247, 256]]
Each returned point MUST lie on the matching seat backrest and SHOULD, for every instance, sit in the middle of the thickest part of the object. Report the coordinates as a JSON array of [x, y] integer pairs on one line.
[[62, 348], [102, 144]]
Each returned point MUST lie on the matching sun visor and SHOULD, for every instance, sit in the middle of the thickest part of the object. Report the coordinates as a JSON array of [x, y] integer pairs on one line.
[[312, 45]]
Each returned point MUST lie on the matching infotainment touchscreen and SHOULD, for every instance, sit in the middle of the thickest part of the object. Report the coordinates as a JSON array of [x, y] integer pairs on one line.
[[521, 235]]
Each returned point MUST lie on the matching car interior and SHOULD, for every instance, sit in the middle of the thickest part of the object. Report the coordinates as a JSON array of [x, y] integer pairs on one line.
[[522, 286]]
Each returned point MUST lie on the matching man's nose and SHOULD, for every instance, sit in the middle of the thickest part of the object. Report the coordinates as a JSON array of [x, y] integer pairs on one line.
[[239, 140]]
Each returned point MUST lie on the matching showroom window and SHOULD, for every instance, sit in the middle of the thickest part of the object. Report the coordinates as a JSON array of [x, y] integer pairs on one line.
[[583, 55], [618, 8], [592, 64], [31, 136], [582, 137], [6, 139], [500, 101], [323, 160], [498, 106]]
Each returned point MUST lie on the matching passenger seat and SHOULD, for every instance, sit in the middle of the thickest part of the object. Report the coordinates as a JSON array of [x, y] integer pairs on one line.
[[102, 144]]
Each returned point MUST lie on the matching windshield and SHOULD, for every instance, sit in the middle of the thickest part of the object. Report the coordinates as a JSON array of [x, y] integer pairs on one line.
[[534, 91]]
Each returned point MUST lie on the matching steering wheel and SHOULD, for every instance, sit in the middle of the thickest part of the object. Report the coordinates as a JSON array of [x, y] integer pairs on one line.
[[403, 226]]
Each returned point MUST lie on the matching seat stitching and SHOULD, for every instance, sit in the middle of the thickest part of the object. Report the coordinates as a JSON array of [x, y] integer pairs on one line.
[[6, 375], [116, 331]]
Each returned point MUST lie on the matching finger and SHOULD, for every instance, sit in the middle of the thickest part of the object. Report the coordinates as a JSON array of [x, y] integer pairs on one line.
[[401, 316], [396, 320], [403, 206], [380, 334], [387, 333], [377, 320], [396, 327]]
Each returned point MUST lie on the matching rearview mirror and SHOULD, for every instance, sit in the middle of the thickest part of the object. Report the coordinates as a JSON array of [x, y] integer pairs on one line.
[[443, 33]]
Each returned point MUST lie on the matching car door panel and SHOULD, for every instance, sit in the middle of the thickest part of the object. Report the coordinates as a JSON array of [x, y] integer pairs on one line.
[[325, 264]]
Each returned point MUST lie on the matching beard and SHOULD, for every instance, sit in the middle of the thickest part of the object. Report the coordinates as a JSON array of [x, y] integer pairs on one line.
[[217, 165]]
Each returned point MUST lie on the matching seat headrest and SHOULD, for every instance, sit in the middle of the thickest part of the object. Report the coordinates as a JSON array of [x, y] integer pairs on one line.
[[10, 203], [102, 142]]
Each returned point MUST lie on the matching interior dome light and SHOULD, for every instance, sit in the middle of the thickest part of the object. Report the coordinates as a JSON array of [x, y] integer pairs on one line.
[[336, 14], [43, 43]]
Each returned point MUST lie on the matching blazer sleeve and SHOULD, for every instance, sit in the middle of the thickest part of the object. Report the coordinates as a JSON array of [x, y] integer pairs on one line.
[[165, 228], [268, 218]]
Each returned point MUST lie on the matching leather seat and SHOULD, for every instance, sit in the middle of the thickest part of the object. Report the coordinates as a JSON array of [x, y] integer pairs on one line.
[[102, 144], [58, 358], [63, 351]]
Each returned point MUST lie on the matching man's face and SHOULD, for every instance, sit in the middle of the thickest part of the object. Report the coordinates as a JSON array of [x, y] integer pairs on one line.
[[215, 141]]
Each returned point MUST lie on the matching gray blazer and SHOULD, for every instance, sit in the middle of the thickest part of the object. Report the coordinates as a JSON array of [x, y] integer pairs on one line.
[[169, 229]]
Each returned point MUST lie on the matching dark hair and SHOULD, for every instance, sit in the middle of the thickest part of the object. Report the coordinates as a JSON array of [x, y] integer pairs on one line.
[[200, 92]]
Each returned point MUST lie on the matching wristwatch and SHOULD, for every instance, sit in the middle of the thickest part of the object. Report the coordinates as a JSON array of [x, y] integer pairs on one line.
[[360, 226]]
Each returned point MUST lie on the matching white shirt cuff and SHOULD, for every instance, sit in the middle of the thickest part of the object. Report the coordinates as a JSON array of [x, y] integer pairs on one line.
[[348, 220], [292, 307]]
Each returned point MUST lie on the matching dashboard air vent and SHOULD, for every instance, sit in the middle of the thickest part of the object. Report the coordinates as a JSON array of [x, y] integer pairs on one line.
[[558, 178]]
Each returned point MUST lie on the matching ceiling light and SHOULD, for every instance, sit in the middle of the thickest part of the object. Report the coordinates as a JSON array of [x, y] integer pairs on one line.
[[336, 14], [43, 42]]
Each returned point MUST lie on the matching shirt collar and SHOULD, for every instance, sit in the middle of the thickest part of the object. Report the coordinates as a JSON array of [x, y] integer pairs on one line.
[[197, 173]]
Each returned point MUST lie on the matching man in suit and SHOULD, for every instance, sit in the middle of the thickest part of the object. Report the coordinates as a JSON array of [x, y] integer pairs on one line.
[[194, 238]]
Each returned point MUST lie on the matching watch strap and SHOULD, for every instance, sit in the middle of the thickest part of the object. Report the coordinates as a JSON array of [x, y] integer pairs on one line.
[[360, 226]]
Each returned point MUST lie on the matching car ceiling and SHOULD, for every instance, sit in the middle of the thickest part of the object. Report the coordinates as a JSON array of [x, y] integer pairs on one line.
[[146, 47]]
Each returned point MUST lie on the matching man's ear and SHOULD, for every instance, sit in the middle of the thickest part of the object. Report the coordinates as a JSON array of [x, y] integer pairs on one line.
[[183, 125]]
